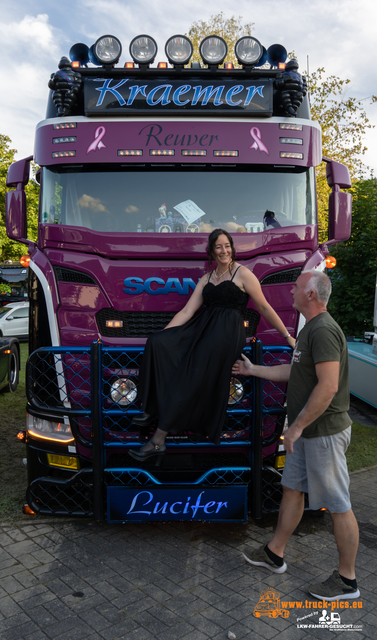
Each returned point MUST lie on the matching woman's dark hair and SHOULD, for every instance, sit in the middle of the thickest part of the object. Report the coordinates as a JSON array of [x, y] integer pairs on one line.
[[211, 244]]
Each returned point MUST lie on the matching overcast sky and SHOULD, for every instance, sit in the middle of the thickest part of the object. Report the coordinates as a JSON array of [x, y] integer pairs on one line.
[[338, 35]]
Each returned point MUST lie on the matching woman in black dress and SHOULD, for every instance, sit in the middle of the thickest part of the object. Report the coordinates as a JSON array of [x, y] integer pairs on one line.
[[185, 374]]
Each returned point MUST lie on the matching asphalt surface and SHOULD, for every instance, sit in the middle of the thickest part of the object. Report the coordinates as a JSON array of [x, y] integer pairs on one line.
[[70, 579]]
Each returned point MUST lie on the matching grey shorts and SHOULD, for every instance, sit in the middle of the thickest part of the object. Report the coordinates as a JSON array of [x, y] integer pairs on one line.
[[318, 466]]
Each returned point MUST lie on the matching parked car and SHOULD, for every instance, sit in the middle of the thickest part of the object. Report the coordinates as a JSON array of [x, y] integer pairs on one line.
[[14, 320], [9, 363]]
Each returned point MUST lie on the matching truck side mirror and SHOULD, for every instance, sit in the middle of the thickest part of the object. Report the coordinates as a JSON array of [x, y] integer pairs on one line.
[[15, 201], [340, 203], [340, 216]]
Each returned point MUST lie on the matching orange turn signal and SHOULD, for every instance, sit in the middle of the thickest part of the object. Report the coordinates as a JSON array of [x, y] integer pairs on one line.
[[330, 262], [25, 260], [27, 510]]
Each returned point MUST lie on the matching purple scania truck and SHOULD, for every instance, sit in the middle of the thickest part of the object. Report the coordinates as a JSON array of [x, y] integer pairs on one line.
[[138, 164]]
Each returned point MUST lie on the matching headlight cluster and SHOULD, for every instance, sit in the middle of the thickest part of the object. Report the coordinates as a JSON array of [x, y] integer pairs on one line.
[[48, 430], [143, 50]]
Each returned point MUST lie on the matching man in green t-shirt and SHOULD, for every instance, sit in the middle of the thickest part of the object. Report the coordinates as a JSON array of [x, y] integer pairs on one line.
[[317, 437]]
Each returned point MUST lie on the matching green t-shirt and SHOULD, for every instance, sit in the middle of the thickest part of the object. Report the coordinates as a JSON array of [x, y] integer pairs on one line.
[[321, 340]]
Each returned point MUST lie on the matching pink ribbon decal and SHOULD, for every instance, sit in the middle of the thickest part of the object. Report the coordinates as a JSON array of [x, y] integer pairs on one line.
[[257, 137], [97, 142]]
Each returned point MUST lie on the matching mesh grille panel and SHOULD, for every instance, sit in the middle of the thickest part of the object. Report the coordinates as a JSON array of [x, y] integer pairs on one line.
[[281, 277], [140, 324], [136, 324], [69, 275]]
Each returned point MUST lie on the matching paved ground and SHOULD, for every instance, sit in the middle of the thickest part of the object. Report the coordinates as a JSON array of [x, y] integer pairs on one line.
[[67, 580]]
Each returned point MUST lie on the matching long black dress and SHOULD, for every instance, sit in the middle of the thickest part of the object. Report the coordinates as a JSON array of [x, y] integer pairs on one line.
[[186, 370]]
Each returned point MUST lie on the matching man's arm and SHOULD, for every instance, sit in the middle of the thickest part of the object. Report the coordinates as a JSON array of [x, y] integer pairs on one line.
[[320, 398], [278, 373]]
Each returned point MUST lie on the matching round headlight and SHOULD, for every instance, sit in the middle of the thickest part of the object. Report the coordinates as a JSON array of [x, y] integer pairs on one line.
[[178, 50], [235, 391], [143, 49], [107, 49], [248, 51], [213, 50], [123, 391]]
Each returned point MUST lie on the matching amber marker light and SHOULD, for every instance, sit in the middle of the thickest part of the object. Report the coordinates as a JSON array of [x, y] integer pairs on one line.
[[114, 324], [129, 65], [28, 510], [75, 64], [25, 261], [330, 262], [21, 435], [162, 65]]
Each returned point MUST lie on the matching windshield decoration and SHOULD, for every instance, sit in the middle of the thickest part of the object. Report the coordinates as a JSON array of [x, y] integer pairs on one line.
[[97, 142], [258, 145]]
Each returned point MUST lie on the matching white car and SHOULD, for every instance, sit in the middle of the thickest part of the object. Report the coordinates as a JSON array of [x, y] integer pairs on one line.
[[14, 320]]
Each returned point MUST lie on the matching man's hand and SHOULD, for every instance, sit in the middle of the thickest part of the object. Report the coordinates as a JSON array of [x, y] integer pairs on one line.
[[244, 368], [290, 436]]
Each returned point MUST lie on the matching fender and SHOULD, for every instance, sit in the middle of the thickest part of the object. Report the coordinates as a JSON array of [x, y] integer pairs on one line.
[[155, 286]]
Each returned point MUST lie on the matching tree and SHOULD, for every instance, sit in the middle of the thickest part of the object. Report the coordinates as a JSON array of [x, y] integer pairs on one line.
[[231, 29], [354, 277], [342, 118], [344, 124], [8, 248]]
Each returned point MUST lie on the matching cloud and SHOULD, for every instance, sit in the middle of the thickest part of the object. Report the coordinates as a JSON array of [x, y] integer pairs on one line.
[[339, 36], [131, 209], [28, 46], [94, 204]]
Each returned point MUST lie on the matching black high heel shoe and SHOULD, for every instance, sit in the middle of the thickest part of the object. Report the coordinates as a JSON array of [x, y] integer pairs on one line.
[[144, 420], [158, 450]]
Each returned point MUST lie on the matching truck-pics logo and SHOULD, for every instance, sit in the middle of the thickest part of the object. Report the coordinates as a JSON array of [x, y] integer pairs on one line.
[[269, 605]]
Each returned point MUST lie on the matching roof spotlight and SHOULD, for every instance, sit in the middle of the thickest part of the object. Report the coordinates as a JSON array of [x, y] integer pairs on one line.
[[106, 50], [248, 51], [213, 50], [178, 50], [143, 49]]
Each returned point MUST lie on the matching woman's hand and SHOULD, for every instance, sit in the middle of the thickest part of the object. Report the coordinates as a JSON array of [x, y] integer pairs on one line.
[[291, 341], [242, 368]]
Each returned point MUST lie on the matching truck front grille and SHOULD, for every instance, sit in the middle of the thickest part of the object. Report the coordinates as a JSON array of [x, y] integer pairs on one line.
[[142, 324]]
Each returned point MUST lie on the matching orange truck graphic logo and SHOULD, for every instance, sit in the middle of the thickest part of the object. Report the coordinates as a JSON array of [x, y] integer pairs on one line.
[[269, 605]]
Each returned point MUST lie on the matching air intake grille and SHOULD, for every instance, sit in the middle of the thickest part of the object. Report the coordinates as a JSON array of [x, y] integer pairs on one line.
[[141, 324], [69, 275], [281, 277], [136, 324]]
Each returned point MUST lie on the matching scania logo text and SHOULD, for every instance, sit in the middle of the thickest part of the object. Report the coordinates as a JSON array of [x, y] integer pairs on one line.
[[155, 286]]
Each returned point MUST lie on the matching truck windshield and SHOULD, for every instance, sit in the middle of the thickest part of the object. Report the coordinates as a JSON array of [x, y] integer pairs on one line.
[[177, 199]]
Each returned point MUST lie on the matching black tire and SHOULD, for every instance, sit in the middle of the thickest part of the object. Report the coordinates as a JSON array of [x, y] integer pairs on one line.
[[13, 369]]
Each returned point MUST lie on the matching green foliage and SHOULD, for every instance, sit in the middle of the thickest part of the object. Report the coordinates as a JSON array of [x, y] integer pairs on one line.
[[5, 288], [8, 248], [362, 451], [344, 124], [354, 277], [231, 29]]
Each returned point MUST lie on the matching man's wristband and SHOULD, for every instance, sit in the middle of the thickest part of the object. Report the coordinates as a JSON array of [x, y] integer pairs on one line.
[[287, 336]]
